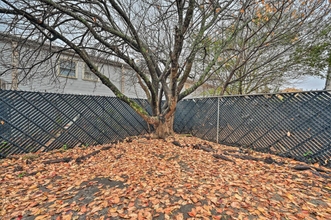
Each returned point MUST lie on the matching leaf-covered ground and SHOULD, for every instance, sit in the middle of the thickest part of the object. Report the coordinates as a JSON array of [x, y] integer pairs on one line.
[[144, 178]]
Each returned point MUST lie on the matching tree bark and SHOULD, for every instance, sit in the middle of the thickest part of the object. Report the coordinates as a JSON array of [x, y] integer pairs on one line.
[[328, 75], [165, 128]]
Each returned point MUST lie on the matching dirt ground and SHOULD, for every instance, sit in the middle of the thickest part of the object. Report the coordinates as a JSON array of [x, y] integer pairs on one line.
[[179, 178]]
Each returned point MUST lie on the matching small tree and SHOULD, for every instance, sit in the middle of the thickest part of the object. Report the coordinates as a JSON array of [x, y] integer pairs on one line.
[[314, 55], [266, 51], [169, 38]]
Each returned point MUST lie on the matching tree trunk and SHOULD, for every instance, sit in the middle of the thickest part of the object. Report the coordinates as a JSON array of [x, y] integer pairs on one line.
[[328, 75], [165, 127]]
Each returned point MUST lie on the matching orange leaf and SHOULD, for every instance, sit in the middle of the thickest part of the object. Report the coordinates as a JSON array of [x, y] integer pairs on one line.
[[187, 185], [229, 212], [147, 215], [235, 205], [35, 186], [303, 214], [155, 201], [179, 216], [316, 165], [96, 209], [140, 216], [33, 204], [192, 213], [167, 210], [116, 200], [83, 209], [183, 196], [112, 210], [78, 182], [67, 217], [257, 212], [207, 208], [40, 217], [238, 197], [194, 199], [261, 209], [289, 196], [213, 199], [105, 203]]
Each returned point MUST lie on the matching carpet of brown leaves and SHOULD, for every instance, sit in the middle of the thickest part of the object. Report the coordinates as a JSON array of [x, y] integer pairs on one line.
[[155, 179]]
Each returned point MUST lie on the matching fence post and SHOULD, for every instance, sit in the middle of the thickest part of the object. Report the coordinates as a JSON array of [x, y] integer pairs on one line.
[[218, 118]]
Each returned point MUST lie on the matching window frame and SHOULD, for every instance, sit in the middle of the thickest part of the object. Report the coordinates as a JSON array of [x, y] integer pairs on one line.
[[3, 84], [87, 69], [61, 60]]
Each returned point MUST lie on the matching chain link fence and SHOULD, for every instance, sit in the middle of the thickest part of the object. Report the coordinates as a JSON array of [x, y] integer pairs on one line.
[[30, 121], [294, 125]]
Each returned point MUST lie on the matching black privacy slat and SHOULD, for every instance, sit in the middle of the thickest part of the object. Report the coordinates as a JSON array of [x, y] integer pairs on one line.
[[30, 121], [296, 125]]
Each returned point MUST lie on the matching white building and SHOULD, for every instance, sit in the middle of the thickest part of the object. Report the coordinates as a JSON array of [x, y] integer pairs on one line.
[[27, 65], [24, 68]]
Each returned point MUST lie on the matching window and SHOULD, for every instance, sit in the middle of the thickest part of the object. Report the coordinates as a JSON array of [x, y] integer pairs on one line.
[[67, 68], [89, 75], [2, 84]]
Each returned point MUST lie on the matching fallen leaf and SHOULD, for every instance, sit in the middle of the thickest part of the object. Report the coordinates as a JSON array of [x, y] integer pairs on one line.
[[33, 204], [67, 217], [192, 213], [213, 199], [155, 201], [194, 199], [168, 210], [266, 191], [41, 217], [105, 203], [83, 208], [96, 209], [179, 216], [35, 186], [289, 196], [116, 200], [112, 210], [238, 197], [303, 214], [235, 205]]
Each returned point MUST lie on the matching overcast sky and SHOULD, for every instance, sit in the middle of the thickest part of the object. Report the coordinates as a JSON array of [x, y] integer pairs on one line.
[[310, 83]]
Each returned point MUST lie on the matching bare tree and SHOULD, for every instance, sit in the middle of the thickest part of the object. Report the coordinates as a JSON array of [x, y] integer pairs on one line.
[[168, 38]]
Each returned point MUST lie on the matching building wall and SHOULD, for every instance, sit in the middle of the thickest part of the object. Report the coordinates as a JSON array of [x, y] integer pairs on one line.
[[44, 77], [5, 62]]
